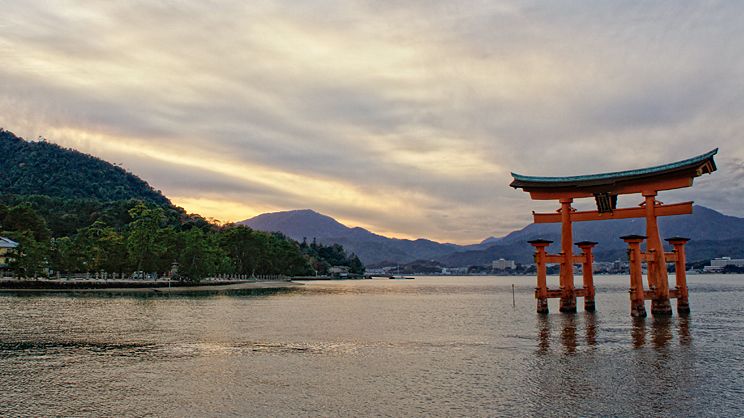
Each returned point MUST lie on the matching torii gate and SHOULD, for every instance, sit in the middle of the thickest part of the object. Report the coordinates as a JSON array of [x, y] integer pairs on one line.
[[605, 188]]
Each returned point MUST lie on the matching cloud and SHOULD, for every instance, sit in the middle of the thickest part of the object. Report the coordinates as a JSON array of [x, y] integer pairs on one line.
[[405, 118]]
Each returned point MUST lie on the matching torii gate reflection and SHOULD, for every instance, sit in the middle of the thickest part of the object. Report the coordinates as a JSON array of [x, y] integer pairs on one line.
[[605, 188]]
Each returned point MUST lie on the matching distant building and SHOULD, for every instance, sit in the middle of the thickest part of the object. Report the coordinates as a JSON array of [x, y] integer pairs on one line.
[[339, 271], [717, 264], [454, 271], [614, 267], [7, 248], [502, 264], [603, 266]]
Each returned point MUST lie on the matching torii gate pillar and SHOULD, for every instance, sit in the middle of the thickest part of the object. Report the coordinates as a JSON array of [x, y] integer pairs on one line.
[[568, 296], [658, 279]]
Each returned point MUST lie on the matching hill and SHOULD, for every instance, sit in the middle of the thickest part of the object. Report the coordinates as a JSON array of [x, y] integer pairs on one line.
[[713, 234], [73, 213], [42, 168], [371, 248]]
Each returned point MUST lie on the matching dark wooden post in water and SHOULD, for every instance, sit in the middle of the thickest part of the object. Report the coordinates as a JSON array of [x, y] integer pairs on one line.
[[541, 291], [637, 294], [605, 189], [588, 274], [680, 272]]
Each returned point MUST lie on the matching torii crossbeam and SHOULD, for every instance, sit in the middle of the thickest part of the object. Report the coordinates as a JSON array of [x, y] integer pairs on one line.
[[605, 188]]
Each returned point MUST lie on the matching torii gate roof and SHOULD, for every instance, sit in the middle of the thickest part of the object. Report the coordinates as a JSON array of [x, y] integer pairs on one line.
[[620, 181]]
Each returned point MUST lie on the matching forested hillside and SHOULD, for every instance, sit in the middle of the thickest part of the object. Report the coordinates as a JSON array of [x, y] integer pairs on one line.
[[74, 213], [43, 168], [131, 238]]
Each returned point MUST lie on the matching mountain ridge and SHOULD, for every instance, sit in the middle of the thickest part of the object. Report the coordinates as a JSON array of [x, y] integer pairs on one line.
[[708, 229], [370, 247], [44, 168]]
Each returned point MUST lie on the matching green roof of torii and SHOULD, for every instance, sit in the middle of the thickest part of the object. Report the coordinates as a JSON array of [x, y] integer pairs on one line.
[[690, 164]]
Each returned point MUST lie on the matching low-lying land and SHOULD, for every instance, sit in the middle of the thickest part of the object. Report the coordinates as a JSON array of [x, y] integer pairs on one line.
[[140, 286]]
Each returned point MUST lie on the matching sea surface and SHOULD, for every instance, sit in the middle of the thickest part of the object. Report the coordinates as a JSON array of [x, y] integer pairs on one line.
[[433, 346]]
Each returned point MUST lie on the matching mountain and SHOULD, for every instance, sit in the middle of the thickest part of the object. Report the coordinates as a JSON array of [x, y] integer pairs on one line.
[[713, 234], [74, 213], [69, 187], [371, 248], [702, 224], [299, 224], [42, 168], [489, 241]]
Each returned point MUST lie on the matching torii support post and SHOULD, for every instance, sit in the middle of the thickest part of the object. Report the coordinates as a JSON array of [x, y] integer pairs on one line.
[[541, 291], [680, 267], [568, 295], [657, 269], [587, 273], [637, 297]]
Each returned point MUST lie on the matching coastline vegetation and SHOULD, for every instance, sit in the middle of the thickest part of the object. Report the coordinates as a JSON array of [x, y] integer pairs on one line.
[[132, 238], [75, 213]]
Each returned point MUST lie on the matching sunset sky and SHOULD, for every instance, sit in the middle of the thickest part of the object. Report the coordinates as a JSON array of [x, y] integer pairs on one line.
[[405, 118]]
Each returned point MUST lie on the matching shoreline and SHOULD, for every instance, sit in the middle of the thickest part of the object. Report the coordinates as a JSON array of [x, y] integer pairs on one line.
[[156, 288]]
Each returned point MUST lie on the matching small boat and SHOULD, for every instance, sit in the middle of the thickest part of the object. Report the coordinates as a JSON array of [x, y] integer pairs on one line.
[[399, 277]]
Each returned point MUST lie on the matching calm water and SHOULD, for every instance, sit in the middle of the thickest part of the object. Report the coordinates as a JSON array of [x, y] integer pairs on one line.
[[430, 346]]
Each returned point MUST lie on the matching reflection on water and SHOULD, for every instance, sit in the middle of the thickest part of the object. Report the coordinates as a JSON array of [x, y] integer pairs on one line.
[[543, 342], [591, 328], [659, 330], [567, 329], [638, 332], [568, 332], [424, 347], [151, 293], [683, 330]]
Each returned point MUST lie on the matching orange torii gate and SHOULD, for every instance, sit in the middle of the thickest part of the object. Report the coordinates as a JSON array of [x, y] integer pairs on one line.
[[605, 188]]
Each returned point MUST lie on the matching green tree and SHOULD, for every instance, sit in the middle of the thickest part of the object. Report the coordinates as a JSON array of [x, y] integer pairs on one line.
[[200, 256], [322, 257], [356, 266], [289, 259], [171, 243], [64, 256], [105, 248], [241, 244], [143, 246], [24, 218], [31, 256]]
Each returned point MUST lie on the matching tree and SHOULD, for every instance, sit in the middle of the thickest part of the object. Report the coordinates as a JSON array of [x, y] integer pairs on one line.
[[200, 256], [44, 168], [171, 243], [64, 256], [143, 245], [31, 255], [320, 258], [732, 269], [24, 218], [105, 248], [241, 244], [287, 257], [356, 266]]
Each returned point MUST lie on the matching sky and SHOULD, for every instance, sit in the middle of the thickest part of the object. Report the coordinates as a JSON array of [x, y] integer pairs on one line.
[[405, 118]]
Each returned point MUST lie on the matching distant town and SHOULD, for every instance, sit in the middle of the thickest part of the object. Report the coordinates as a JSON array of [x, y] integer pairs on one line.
[[504, 267]]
